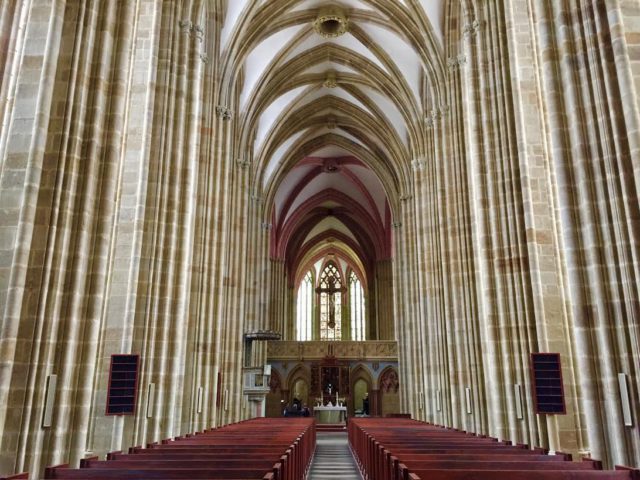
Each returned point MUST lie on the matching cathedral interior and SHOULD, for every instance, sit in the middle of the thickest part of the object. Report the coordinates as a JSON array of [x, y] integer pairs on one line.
[[214, 210]]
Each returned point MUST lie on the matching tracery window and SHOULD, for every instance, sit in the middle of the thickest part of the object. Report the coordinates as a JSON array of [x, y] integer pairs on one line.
[[330, 290], [356, 302], [304, 311]]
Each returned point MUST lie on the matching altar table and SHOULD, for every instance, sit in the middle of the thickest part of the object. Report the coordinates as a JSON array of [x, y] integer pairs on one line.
[[330, 414]]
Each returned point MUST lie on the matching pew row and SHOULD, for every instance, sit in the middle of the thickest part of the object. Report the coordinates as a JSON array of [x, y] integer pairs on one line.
[[404, 449], [259, 449]]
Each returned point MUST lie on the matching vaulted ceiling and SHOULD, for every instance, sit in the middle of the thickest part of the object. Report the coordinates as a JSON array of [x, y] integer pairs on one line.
[[331, 99]]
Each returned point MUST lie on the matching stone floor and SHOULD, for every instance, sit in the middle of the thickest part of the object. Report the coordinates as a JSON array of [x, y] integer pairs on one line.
[[333, 458]]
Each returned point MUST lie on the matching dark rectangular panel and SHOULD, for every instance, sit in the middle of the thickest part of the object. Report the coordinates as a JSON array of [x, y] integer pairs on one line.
[[123, 385], [548, 390]]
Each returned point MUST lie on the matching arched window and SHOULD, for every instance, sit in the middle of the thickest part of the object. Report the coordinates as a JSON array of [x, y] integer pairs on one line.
[[330, 290], [356, 302], [304, 311]]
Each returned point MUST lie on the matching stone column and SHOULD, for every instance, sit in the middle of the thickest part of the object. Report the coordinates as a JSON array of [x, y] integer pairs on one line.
[[593, 145], [22, 153]]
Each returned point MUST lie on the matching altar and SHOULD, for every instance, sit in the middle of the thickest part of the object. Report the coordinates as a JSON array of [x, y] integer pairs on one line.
[[330, 414], [317, 374]]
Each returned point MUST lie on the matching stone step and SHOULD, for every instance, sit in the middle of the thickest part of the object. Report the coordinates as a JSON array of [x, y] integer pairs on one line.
[[331, 427], [333, 459]]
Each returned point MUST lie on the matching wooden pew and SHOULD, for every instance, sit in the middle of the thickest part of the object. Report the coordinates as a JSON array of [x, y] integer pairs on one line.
[[189, 455], [152, 474], [262, 449], [410, 450], [519, 475], [490, 464], [498, 457], [264, 465]]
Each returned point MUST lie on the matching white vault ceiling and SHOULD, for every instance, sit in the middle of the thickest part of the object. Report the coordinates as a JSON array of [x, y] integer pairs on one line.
[[331, 124]]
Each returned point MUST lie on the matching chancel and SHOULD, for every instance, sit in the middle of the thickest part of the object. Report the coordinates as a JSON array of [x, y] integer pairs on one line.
[[239, 229]]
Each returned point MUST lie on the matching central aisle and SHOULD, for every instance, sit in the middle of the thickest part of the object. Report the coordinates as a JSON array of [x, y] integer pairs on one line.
[[333, 458]]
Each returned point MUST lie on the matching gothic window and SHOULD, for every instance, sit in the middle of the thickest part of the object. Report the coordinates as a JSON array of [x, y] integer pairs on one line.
[[330, 290], [304, 315], [356, 302]]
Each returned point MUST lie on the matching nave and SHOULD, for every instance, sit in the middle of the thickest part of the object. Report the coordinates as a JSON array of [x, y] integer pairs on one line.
[[212, 210], [376, 449]]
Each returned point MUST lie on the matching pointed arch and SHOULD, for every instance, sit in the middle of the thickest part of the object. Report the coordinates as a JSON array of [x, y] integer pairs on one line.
[[357, 306], [305, 307], [360, 373]]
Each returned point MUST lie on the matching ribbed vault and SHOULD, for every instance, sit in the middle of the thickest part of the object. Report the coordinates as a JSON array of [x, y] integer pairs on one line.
[[169, 169], [331, 101]]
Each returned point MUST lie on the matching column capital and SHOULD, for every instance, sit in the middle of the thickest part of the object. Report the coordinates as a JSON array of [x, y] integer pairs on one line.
[[456, 62], [225, 113], [419, 164], [437, 114], [243, 163], [471, 29], [185, 26], [191, 29]]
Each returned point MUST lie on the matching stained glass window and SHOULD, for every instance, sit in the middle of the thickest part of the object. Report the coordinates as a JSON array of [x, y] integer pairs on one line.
[[330, 290], [356, 302], [304, 312]]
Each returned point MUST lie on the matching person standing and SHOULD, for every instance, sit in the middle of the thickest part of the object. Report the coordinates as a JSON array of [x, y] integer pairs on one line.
[[365, 404]]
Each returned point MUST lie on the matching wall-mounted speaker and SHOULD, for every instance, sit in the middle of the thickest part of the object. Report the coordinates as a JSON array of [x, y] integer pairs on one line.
[[624, 399], [151, 399], [467, 392], [199, 400], [49, 399], [438, 400], [517, 389]]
